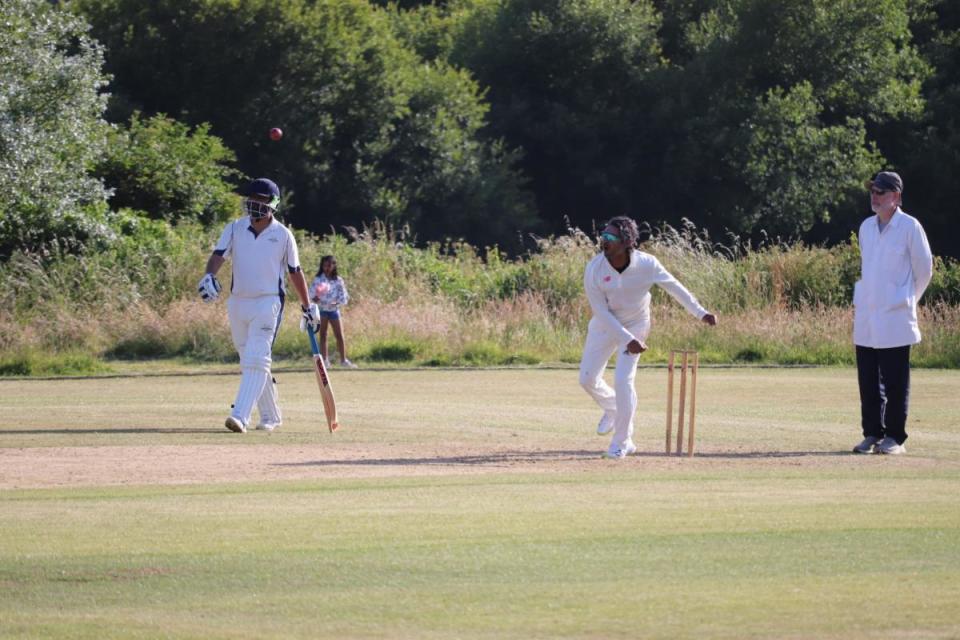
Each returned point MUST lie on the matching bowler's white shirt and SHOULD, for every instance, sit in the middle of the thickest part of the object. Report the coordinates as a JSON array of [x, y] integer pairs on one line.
[[895, 268], [621, 300], [259, 261]]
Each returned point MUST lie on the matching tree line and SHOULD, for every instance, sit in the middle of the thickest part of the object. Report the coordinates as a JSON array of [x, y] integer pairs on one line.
[[487, 120]]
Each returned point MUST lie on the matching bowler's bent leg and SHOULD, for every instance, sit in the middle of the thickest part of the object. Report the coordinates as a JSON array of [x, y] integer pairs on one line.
[[596, 353]]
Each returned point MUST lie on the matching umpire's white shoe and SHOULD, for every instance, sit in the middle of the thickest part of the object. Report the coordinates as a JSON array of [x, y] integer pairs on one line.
[[867, 445], [617, 451], [890, 446], [605, 425], [235, 424], [268, 426]]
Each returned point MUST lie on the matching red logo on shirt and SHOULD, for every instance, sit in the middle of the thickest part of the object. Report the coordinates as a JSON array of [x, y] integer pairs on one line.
[[606, 278]]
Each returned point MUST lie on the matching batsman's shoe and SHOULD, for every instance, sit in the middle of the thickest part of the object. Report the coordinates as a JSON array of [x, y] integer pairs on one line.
[[235, 424], [890, 446], [605, 425], [346, 364], [867, 445], [268, 426], [617, 451]]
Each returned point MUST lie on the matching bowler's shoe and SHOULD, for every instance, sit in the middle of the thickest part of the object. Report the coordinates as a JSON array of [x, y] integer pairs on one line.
[[605, 425], [618, 451]]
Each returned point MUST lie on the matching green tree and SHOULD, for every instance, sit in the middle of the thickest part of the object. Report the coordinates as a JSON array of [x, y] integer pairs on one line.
[[51, 130], [564, 82], [161, 168], [431, 29], [737, 114], [466, 187], [765, 110], [796, 168], [370, 131], [927, 149]]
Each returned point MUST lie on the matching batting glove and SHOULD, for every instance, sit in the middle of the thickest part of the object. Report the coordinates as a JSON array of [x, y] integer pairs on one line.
[[311, 316], [209, 288]]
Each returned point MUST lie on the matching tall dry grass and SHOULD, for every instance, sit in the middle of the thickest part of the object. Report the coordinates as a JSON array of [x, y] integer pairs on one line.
[[448, 304]]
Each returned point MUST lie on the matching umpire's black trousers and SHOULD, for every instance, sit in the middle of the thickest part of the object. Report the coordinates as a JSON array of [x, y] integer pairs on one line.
[[884, 377]]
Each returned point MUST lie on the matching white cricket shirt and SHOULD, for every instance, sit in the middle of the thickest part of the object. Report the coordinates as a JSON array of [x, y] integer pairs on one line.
[[895, 268], [619, 299], [259, 261]]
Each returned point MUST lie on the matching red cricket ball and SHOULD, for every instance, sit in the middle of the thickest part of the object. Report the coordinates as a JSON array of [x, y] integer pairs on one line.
[[276, 133]]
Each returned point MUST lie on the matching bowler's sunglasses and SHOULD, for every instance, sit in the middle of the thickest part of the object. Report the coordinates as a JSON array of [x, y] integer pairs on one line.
[[879, 192], [609, 237]]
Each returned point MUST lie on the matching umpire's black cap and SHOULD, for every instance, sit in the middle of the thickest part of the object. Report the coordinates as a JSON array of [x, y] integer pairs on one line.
[[888, 181]]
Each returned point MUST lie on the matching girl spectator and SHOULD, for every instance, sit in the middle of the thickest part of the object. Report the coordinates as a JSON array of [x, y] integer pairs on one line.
[[329, 291]]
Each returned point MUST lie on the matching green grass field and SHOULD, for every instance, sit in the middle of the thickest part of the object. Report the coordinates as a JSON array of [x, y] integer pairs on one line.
[[473, 504]]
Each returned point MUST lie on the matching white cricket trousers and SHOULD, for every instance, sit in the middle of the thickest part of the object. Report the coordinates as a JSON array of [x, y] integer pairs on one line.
[[254, 323], [621, 399]]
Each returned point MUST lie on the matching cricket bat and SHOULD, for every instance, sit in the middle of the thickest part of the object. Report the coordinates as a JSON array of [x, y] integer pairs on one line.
[[323, 380]]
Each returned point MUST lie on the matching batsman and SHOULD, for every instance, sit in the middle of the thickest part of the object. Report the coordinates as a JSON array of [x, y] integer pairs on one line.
[[262, 250]]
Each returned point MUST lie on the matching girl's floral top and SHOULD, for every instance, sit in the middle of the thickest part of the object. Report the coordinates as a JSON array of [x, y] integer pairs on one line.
[[334, 297]]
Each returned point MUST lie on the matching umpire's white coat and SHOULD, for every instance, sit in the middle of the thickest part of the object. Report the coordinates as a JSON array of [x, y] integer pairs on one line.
[[896, 267]]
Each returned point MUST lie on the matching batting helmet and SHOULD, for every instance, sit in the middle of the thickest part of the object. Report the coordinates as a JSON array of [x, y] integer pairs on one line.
[[266, 188]]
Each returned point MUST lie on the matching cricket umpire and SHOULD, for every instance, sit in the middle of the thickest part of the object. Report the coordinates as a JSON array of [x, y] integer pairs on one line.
[[261, 250], [896, 266]]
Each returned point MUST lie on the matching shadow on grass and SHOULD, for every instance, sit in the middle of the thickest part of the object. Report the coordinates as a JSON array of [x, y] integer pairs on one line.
[[747, 455], [505, 457], [40, 432], [532, 457]]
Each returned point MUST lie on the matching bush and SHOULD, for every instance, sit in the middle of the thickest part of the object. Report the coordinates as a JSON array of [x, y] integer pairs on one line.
[[34, 363], [158, 166], [446, 305], [945, 284], [392, 351], [51, 131], [371, 131]]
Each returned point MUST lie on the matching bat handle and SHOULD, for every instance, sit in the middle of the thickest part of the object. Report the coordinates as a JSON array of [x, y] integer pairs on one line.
[[313, 340]]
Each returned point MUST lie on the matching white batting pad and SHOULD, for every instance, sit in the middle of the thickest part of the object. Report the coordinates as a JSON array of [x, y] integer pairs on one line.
[[253, 325], [269, 403], [252, 382]]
